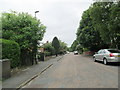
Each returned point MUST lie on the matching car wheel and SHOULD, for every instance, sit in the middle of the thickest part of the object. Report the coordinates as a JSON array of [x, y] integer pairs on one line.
[[94, 59], [105, 61]]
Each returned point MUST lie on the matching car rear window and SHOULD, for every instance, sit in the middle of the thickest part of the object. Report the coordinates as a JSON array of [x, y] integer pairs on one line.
[[114, 51]]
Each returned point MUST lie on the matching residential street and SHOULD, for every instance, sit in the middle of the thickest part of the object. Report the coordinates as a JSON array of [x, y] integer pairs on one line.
[[60, 44], [77, 71]]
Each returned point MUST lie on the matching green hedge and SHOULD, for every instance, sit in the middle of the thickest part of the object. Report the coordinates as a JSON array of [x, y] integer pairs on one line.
[[47, 53], [11, 50]]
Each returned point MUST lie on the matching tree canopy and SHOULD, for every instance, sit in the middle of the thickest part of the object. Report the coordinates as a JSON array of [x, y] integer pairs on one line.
[[99, 27], [49, 49], [63, 47], [26, 30], [106, 19], [56, 45]]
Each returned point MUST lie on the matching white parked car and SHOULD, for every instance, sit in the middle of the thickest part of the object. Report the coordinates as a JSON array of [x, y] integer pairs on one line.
[[75, 52]]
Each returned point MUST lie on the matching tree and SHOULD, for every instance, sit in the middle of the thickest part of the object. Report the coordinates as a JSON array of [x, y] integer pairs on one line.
[[56, 45], [63, 47], [87, 36], [99, 26], [114, 25], [79, 48], [49, 49], [106, 19], [74, 45], [26, 30]]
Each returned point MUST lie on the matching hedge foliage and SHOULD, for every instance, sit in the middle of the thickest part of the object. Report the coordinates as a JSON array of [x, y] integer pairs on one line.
[[47, 53], [11, 50]]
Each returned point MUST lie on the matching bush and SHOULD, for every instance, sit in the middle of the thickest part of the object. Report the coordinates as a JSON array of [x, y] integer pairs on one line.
[[85, 49], [47, 53], [11, 50], [49, 49]]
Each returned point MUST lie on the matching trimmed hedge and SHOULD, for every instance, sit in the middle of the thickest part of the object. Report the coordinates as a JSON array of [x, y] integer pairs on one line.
[[11, 50]]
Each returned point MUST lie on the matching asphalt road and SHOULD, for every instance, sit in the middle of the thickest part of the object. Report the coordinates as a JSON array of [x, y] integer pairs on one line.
[[77, 71]]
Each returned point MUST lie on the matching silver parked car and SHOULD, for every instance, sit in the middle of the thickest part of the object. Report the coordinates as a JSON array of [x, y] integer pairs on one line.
[[107, 55]]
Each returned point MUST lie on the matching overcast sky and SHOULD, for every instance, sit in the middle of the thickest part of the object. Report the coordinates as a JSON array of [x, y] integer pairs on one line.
[[61, 17]]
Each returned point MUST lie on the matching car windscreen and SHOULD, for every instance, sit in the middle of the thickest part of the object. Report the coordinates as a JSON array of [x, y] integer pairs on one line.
[[114, 51]]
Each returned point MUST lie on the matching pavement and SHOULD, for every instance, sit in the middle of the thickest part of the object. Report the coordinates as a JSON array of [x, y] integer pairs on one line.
[[21, 78]]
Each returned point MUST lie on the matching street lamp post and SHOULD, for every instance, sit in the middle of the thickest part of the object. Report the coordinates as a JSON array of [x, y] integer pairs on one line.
[[35, 13], [36, 42]]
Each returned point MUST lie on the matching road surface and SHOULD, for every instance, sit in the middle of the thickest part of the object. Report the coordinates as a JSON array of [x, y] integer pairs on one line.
[[77, 71]]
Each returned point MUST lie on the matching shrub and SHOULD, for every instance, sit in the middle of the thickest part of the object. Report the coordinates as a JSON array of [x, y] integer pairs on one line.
[[85, 49], [47, 53], [11, 50], [49, 49]]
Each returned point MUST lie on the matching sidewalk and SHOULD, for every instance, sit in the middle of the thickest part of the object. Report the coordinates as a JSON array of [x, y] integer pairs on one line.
[[16, 80]]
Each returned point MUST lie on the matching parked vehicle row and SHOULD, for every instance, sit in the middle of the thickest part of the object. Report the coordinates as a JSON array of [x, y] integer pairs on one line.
[[107, 55]]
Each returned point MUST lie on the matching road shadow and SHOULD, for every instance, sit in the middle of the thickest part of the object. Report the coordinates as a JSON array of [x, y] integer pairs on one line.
[[114, 64], [110, 64]]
